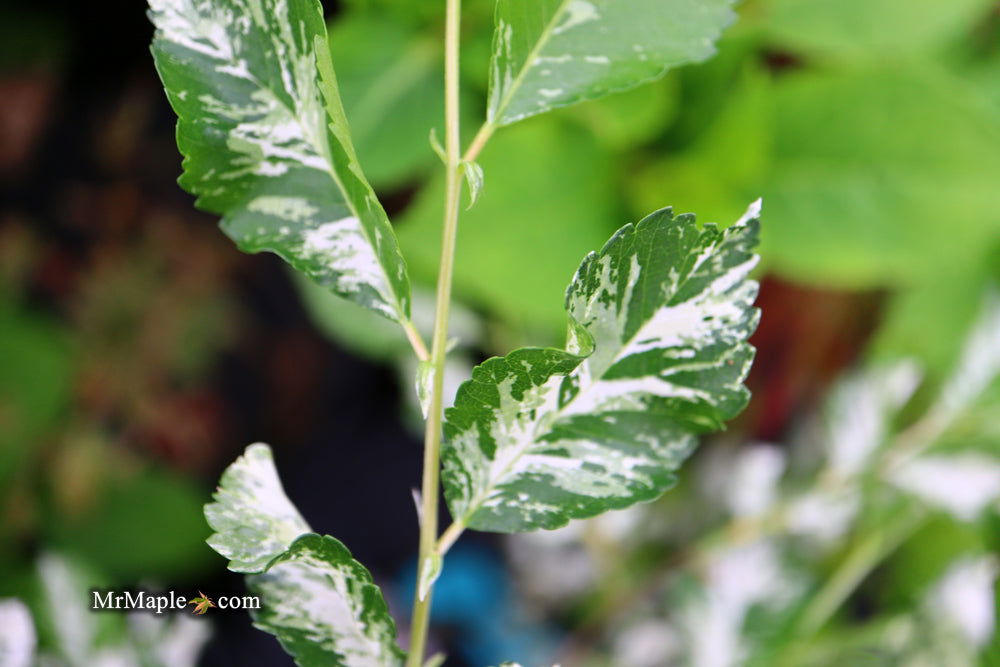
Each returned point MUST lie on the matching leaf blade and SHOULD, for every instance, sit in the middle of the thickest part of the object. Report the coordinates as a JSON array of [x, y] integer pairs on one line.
[[553, 53], [319, 602], [266, 142], [323, 607], [253, 519], [657, 353]]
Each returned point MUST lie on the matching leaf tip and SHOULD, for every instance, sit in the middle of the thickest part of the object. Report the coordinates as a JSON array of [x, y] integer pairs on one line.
[[752, 212]]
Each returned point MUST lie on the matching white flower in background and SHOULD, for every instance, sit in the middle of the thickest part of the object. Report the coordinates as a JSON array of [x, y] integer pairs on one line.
[[963, 484], [17, 634], [964, 598]]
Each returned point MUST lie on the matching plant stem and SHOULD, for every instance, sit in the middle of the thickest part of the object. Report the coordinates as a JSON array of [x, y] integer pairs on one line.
[[479, 141], [860, 561], [416, 342], [449, 537], [420, 618]]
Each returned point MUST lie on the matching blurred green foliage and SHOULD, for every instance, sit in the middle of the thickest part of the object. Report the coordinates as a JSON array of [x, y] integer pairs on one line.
[[34, 385], [65, 482]]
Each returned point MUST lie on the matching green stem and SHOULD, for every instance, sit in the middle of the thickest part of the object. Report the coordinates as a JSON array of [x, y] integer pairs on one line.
[[860, 561], [449, 537], [479, 141], [439, 345], [416, 342]]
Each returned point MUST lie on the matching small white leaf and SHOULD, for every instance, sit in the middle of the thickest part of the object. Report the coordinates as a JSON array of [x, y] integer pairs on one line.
[[253, 519], [425, 385], [474, 177], [418, 502], [430, 570]]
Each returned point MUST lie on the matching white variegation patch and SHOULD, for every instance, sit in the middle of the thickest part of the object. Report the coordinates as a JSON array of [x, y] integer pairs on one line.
[[293, 209], [253, 518]]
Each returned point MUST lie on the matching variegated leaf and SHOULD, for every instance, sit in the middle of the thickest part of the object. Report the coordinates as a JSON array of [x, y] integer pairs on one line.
[[657, 353], [322, 606], [552, 53], [316, 599], [253, 519], [266, 142]]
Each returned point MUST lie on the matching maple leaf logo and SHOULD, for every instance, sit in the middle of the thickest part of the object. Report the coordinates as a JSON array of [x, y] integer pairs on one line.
[[201, 603]]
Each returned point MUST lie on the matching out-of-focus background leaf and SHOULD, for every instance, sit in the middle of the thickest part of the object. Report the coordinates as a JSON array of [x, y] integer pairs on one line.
[[139, 352]]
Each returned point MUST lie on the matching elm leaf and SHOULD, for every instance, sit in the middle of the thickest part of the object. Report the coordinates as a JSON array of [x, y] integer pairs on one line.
[[266, 142], [323, 607], [553, 53], [318, 601], [657, 354], [253, 519]]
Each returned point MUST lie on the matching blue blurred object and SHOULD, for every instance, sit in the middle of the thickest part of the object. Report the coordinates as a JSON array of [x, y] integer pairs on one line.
[[475, 600]]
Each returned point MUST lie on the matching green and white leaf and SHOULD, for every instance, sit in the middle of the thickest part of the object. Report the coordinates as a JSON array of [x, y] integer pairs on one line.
[[429, 573], [474, 179], [316, 599], [425, 385], [323, 607], [266, 142], [253, 519], [553, 53], [657, 353]]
